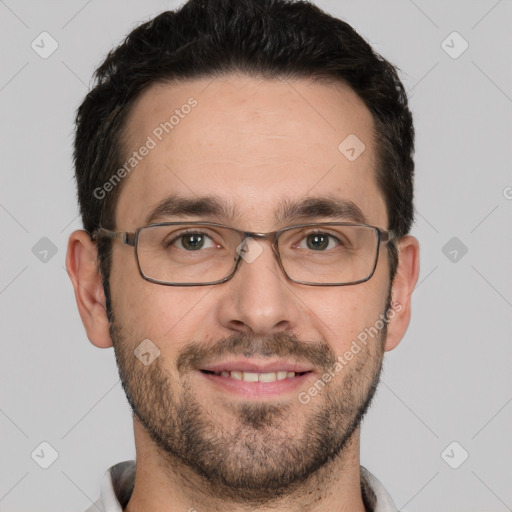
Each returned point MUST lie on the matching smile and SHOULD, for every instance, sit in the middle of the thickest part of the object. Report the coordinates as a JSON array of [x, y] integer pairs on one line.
[[251, 385], [255, 376]]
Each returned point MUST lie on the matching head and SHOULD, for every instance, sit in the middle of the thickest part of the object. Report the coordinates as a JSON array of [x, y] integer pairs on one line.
[[242, 108]]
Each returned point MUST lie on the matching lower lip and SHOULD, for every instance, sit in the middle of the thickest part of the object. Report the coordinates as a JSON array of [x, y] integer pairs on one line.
[[258, 389]]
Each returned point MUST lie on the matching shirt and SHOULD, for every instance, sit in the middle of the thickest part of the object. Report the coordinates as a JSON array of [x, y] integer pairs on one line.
[[118, 482]]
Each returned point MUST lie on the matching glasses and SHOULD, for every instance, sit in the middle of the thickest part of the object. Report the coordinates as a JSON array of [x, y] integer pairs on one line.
[[204, 253]]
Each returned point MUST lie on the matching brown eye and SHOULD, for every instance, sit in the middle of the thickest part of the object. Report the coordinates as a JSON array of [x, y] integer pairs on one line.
[[192, 241], [319, 242]]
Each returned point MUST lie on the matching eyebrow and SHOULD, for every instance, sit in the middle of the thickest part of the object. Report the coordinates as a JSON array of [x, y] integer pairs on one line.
[[175, 205], [324, 206], [309, 208]]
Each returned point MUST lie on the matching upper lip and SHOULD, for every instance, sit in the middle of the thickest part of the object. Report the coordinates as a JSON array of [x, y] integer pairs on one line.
[[245, 365]]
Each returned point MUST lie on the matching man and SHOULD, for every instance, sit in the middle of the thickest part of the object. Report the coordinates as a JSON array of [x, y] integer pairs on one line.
[[244, 172]]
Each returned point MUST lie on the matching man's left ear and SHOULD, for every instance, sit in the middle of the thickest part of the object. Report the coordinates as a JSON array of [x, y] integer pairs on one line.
[[403, 285]]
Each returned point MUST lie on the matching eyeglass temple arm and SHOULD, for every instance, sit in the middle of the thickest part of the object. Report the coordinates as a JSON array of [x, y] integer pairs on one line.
[[123, 236], [387, 236]]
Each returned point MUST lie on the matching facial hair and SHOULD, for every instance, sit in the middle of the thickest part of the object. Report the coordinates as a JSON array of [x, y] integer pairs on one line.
[[253, 460]]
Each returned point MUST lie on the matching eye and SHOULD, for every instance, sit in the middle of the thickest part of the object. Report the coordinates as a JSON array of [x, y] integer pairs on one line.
[[193, 241], [319, 242]]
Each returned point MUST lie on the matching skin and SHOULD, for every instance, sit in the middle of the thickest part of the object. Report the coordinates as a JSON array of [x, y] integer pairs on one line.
[[253, 143]]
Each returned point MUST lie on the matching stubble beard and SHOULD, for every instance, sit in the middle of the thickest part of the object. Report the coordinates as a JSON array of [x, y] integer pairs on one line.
[[253, 459]]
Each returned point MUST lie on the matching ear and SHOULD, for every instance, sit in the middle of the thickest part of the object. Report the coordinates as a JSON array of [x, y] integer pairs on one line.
[[403, 285], [81, 264]]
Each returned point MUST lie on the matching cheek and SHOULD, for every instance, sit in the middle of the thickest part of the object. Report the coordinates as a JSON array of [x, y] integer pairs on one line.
[[341, 314], [163, 314], [134, 300]]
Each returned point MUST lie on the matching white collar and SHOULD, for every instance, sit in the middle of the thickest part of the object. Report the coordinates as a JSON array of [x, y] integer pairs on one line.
[[121, 477]]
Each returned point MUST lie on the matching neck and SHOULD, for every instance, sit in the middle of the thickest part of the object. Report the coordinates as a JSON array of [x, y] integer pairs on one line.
[[164, 484]]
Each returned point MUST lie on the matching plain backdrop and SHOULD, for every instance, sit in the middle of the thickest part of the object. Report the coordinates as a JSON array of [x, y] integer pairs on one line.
[[439, 433]]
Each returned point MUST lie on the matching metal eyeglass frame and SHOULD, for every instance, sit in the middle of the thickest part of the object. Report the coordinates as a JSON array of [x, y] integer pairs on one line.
[[131, 238]]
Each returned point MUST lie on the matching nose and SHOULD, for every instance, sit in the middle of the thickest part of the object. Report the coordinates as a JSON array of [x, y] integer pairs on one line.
[[259, 299]]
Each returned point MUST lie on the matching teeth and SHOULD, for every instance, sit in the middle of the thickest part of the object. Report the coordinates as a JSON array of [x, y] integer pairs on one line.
[[267, 377], [255, 377]]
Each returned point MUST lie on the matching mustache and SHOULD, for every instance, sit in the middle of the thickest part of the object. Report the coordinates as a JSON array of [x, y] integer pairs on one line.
[[283, 345]]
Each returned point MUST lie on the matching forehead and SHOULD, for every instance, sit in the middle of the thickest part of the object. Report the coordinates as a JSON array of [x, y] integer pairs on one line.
[[254, 144]]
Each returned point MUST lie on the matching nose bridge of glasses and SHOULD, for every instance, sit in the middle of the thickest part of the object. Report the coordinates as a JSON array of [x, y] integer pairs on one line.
[[250, 248]]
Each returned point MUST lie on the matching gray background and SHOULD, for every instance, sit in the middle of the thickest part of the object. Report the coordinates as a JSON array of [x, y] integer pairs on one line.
[[450, 378]]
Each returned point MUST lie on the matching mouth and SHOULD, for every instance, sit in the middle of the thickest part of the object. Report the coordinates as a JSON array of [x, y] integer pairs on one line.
[[256, 376], [257, 380]]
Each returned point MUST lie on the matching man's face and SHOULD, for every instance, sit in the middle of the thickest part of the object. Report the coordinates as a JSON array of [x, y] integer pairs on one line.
[[252, 144]]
